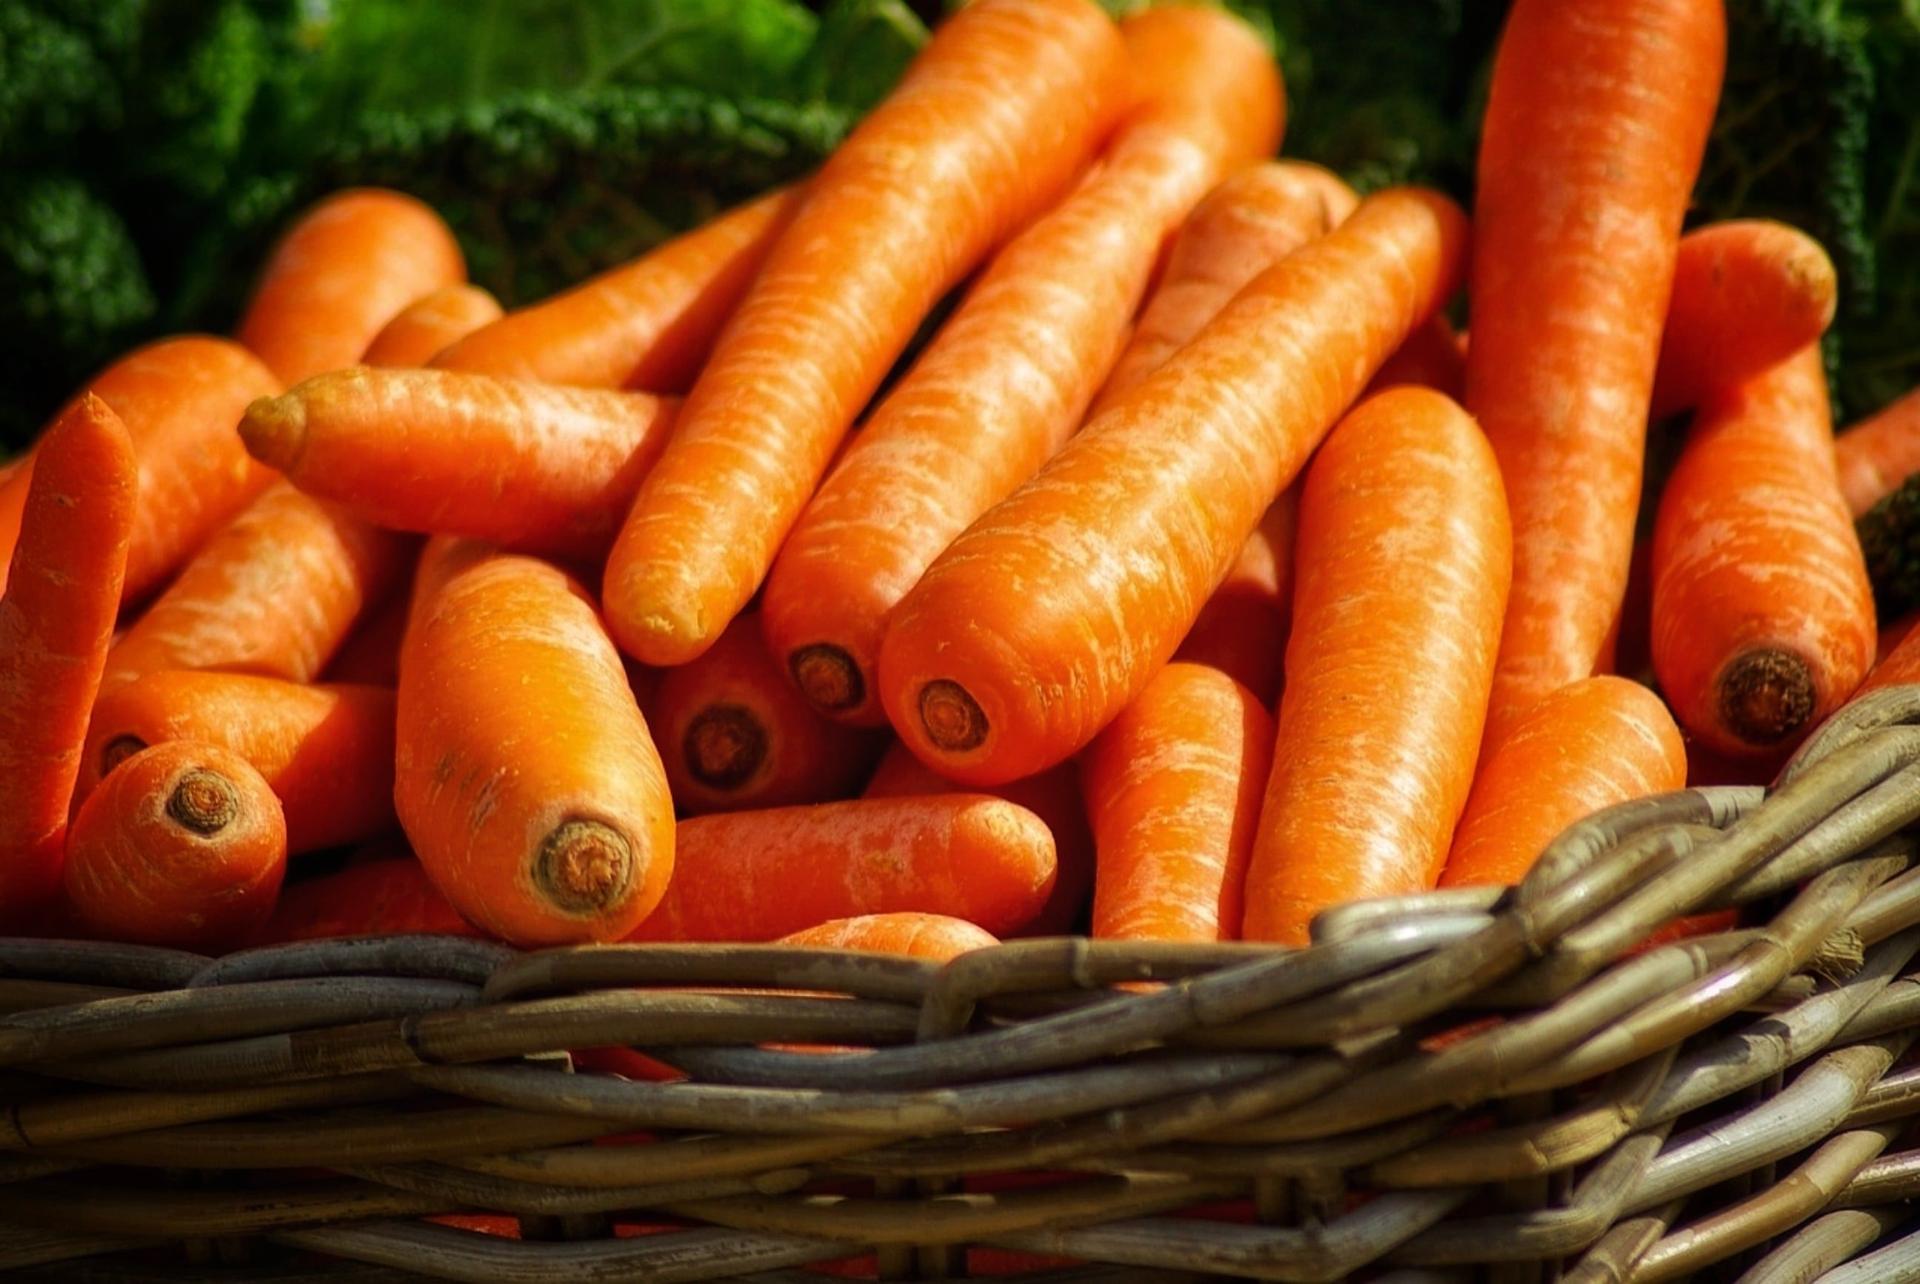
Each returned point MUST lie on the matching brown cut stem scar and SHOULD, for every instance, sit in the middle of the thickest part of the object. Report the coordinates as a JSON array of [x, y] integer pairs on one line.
[[952, 718], [828, 677], [203, 801], [118, 750], [584, 866], [1765, 695], [724, 746]]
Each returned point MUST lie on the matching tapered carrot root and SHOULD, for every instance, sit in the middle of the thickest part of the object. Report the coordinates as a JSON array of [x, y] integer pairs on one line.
[[1242, 630], [1878, 453], [430, 324], [1405, 553], [1589, 745], [923, 936], [1116, 544], [1763, 618], [379, 898], [526, 465]]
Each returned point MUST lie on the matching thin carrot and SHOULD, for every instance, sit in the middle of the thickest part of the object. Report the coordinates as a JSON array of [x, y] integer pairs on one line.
[[924, 936], [371, 654], [182, 846], [525, 776], [344, 269], [647, 324], [326, 751], [1593, 135], [275, 593], [379, 898], [758, 875], [1242, 630], [1747, 294], [1432, 357], [989, 126], [1054, 610], [734, 733], [1173, 786], [1009, 376], [1404, 561], [1878, 453], [55, 621], [1763, 619], [1593, 743], [430, 324]]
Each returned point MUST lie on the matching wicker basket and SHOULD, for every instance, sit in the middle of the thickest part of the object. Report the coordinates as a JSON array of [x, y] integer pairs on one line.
[[1462, 1085]]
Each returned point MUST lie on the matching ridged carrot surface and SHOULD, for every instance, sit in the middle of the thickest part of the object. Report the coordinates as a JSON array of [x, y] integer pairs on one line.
[[380, 898], [1879, 452], [922, 936], [430, 324], [1242, 630], [1057, 607]]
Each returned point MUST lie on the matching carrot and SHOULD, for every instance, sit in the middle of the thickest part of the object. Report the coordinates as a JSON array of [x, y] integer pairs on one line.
[[525, 777], [758, 875], [1054, 610], [1899, 665], [1591, 744], [371, 654], [1593, 134], [1173, 786], [275, 593], [1879, 452], [990, 124], [1404, 562], [1763, 618], [1009, 376], [924, 936], [1432, 357], [1242, 630], [647, 324], [734, 733], [379, 898], [430, 324], [1052, 795], [1893, 633], [326, 752], [533, 466], [344, 269], [182, 846], [55, 621], [1747, 294]]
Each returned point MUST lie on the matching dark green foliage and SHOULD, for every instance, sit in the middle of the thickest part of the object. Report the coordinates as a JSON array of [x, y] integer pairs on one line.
[[1890, 537]]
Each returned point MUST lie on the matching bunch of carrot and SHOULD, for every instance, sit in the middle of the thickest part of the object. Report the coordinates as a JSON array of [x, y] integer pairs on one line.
[[1195, 576]]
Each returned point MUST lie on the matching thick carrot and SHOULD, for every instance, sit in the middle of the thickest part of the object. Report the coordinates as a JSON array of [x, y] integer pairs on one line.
[[990, 124], [1404, 562], [924, 936], [1009, 376], [1432, 357], [327, 752], [344, 269], [734, 733], [1173, 786], [1763, 619], [532, 466], [183, 845], [1593, 743], [371, 654], [1877, 454], [647, 324], [55, 622], [525, 777], [1242, 630], [379, 898], [1593, 134], [430, 324], [758, 875], [1054, 610], [275, 593]]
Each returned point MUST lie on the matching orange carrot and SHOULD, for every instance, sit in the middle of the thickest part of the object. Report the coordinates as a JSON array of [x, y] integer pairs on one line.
[[758, 875], [1053, 611], [1763, 619], [1432, 357], [1591, 744], [1593, 135], [1173, 786], [344, 269], [924, 936], [430, 324], [647, 324], [734, 733], [990, 124], [182, 846], [1242, 630], [1747, 294], [379, 898], [1893, 633], [533, 466], [55, 621], [326, 752], [525, 777], [1878, 453], [1900, 665], [1009, 376], [371, 654], [1404, 562], [275, 593]]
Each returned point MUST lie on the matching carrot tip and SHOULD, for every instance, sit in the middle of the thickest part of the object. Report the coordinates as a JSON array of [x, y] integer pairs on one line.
[[118, 750], [274, 430], [724, 745], [584, 866], [952, 718], [203, 801], [1765, 695], [828, 677]]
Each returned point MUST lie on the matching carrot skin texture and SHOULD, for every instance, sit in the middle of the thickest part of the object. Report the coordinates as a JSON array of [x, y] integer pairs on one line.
[[989, 126], [1242, 630], [1405, 557], [1174, 786], [534, 467], [1763, 618], [759, 875], [1593, 135], [922, 936], [1058, 606], [380, 898], [525, 776], [346, 267], [56, 618], [1879, 452], [1591, 744], [430, 324]]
